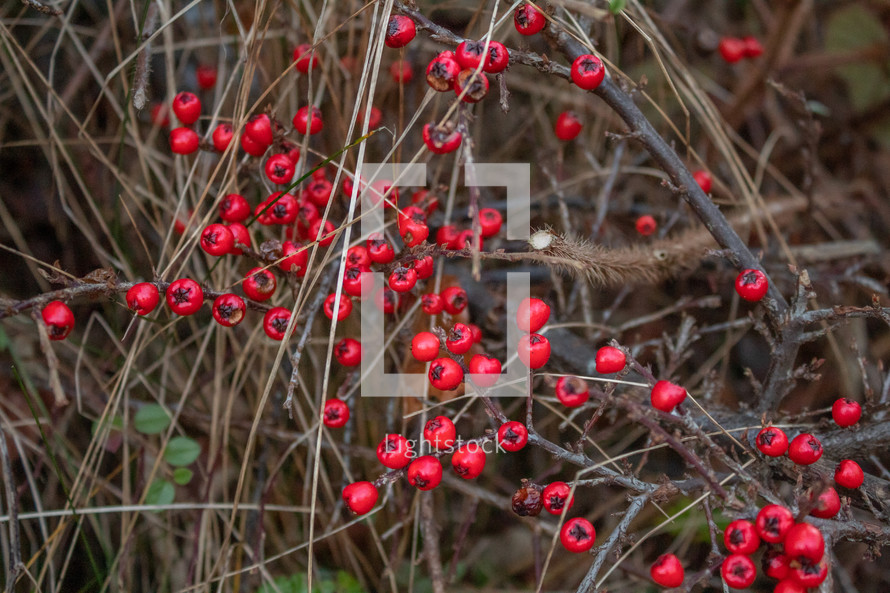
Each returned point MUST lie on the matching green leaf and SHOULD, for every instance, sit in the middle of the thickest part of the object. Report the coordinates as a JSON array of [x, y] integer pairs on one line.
[[116, 422], [161, 492], [151, 419], [616, 6], [181, 451], [851, 28], [182, 475]]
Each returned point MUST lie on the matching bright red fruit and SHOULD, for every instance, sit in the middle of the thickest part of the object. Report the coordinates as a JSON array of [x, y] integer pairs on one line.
[[753, 48], [206, 76], [222, 136], [360, 497], [732, 49], [588, 71], [468, 461], [336, 413], [848, 474], [528, 20], [348, 352], [454, 299], [459, 339], [305, 57], [58, 318], [572, 391], [775, 564], [512, 435], [279, 169], [234, 208], [399, 31], [809, 574], [440, 432], [666, 396], [469, 54], [490, 221], [533, 350], [425, 346], [308, 120], [789, 586], [343, 310], [556, 497], [184, 141], [485, 370], [498, 57], [804, 542], [187, 108], [275, 322], [846, 412], [217, 239], [532, 315], [610, 360], [828, 503], [772, 441], [738, 571], [741, 537], [425, 473], [259, 284], [432, 304], [567, 126], [805, 449], [296, 258], [703, 179], [445, 374], [773, 522], [646, 225], [228, 310], [395, 451], [401, 71], [667, 571], [184, 296], [142, 298], [259, 129], [751, 285], [577, 535]]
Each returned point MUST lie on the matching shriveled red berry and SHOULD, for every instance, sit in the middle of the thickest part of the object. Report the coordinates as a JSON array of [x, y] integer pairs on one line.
[[533, 350], [773, 522], [846, 412], [577, 535], [360, 497], [512, 435], [143, 297], [610, 360], [471, 86], [828, 503], [468, 461], [572, 391], [343, 310], [556, 497], [228, 310], [442, 71], [259, 284], [567, 126], [459, 339], [425, 473], [666, 396], [425, 346], [275, 322], [445, 374], [588, 71], [805, 449], [336, 413], [752, 285], [441, 139], [222, 136], [58, 318], [184, 296], [848, 474], [804, 542], [667, 571], [399, 31], [527, 502], [738, 571], [187, 107], [440, 433], [395, 451], [184, 141], [454, 299], [646, 225], [485, 370], [528, 20], [741, 537], [532, 315], [772, 441]]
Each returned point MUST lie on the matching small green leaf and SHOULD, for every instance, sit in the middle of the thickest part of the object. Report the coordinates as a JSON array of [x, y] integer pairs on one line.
[[616, 6], [182, 475], [151, 419], [181, 451], [161, 492]]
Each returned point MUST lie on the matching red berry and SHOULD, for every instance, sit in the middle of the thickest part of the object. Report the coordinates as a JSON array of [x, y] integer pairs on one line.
[[445, 374], [572, 392], [222, 136], [290, 150], [805, 449], [184, 296], [442, 71], [789, 586], [773, 522], [588, 71], [471, 85], [512, 435], [447, 236], [703, 179], [459, 339], [666, 396], [423, 267], [441, 139], [775, 564], [206, 76], [738, 571], [217, 239], [804, 542], [577, 535], [259, 129], [228, 309], [348, 352], [344, 309], [319, 193], [432, 303], [532, 315], [528, 20], [142, 298], [275, 322], [322, 231], [308, 120], [490, 221], [440, 433], [753, 48], [279, 169], [360, 497], [498, 57], [336, 413], [741, 537], [357, 283], [468, 461], [533, 350], [485, 370], [252, 147], [732, 49], [556, 497], [386, 299], [395, 451], [846, 412], [667, 571], [454, 299], [187, 108], [59, 320], [848, 474], [477, 333], [425, 346], [413, 228], [567, 126], [374, 118], [379, 249], [772, 441], [751, 285], [526, 502], [425, 473], [357, 255], [259, 284], [645, 225], [610, 360], [828, 503], [401, 71], [469, 54], [241, 235], [184, 141], [160, 115], [809, 574], [305, 57], [234, 208], [399, 31], [402, 279], [467, 240]]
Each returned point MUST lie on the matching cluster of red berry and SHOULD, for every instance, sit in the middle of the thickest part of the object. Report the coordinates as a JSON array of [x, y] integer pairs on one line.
[[733, 49]]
